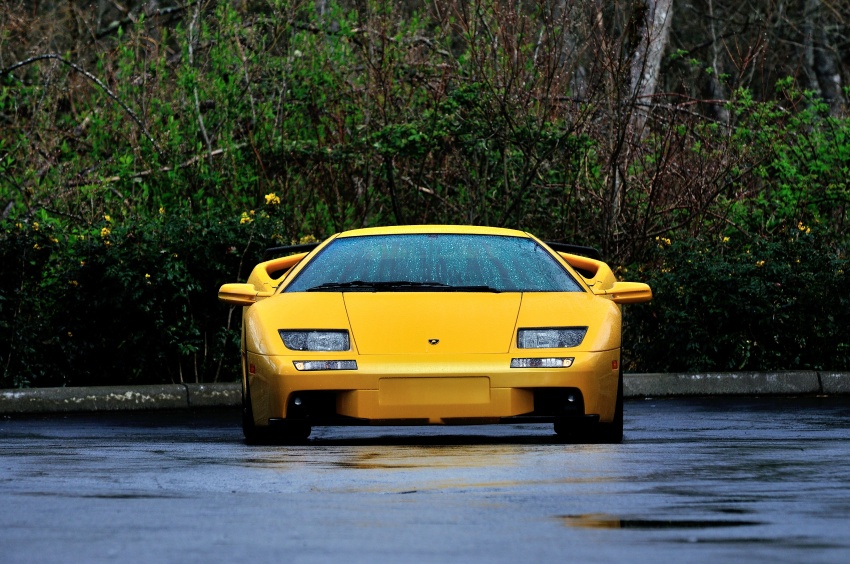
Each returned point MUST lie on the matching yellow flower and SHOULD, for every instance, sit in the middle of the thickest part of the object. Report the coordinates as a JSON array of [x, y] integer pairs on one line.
[[54, 240], [19, 226], [73, 283], [272, 199], [36, 247], [70, 334], [107, 219], [161, 211], [760, 263], [726, 239], [147, 275], [35, 226], [104, 233], [307, 239], [245, 218]]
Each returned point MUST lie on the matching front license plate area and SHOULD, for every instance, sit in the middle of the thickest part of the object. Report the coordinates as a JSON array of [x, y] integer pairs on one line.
[[434, 391]]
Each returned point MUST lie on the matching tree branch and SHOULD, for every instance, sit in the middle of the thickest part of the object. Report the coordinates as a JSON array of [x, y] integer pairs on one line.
[[94, 79]]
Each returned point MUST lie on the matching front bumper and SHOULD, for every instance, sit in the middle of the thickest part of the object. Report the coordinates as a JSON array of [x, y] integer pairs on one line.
[[432, 389]]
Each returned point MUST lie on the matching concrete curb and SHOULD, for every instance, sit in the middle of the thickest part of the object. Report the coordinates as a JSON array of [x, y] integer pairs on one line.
[[734, 384], [190, 396], [119, 398]]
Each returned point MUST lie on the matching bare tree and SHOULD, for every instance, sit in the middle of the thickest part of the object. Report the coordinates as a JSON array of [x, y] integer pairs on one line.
[[654, 19], [819, 60]]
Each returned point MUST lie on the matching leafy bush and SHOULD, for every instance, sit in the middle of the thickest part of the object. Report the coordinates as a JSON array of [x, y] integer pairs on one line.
[[125, 302], [374, 113], [739, 304]]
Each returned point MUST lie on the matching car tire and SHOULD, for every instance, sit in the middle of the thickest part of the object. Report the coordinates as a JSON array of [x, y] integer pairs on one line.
[[600, 433], [612, 433], [253, 435], [287, 433], [291, 432]]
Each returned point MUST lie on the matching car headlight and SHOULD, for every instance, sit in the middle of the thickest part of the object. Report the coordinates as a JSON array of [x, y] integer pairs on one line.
[[315, 340], [550, 337]]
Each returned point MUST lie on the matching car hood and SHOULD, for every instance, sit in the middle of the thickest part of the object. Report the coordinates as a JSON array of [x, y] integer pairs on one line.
[[430, 322], [426, 322]]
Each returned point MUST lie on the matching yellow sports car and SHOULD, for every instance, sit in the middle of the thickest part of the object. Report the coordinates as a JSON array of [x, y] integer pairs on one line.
[[428, 324]]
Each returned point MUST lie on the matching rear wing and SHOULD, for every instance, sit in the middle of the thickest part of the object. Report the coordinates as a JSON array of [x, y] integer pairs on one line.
[[273, 252], [587, 261], [277, 262], [589, 252]]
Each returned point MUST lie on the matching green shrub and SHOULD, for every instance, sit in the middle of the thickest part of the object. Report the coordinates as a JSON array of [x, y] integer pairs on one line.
[[742, 304], [367, 114], [131, 301]]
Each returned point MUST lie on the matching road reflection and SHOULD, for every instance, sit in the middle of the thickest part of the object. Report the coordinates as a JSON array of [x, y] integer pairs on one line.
[[601, 521]]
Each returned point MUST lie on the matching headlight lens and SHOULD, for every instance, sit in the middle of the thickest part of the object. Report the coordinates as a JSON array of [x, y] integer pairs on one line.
[[550, 337], [315, 340]]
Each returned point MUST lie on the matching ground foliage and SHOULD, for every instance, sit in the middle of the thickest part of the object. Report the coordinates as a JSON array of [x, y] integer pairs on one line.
[[151, 160]]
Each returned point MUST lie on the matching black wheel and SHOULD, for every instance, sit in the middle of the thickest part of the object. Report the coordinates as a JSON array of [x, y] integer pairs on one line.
[[289, 432], [253, 435], [600, 433], [612, 433]]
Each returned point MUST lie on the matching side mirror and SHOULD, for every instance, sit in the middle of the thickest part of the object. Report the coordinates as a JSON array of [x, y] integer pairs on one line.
[[629, 292], [241, 294]]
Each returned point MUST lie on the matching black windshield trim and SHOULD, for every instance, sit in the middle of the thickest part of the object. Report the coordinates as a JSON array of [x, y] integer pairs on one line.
[[398, 286], [540, 247]]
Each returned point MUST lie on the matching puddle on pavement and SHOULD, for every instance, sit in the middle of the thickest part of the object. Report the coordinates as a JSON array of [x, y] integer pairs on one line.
[[427, 458], [601, 521], [101, 496]]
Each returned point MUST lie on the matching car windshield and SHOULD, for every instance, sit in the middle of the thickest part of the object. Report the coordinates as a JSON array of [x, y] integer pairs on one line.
[[434, 262]]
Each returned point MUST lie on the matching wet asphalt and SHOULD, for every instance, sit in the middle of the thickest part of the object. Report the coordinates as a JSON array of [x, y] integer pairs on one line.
[[755, 480]]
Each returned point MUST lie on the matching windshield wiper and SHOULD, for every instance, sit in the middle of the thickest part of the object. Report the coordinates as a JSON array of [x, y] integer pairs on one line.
[[410, 285], [480, 288], [397, 285], [352, 285]]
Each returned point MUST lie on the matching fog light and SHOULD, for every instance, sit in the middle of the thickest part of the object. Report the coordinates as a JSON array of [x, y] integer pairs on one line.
[[307, 365], [541, 362], [297, 401], [571, 398]]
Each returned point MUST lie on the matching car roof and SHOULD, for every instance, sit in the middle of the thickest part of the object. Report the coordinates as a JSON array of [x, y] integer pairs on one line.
[[443, 229]]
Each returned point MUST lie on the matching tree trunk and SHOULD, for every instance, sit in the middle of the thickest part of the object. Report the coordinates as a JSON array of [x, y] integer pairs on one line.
[[714, 89], [646, 62], [821, 68]]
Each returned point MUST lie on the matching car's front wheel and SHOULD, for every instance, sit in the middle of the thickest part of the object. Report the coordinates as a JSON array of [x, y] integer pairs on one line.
[[284, 433], [600, 433]]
